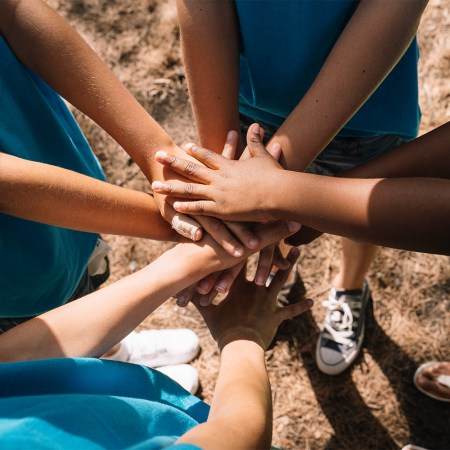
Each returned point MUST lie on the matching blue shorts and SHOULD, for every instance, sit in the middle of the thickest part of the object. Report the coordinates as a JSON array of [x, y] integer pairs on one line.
[[342, 153]]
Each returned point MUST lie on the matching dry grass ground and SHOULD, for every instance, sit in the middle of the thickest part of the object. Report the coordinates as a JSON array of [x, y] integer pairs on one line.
[[375, 405]]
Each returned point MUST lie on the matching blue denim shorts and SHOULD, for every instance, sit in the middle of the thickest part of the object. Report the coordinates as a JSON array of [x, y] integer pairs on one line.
[[342, 153]]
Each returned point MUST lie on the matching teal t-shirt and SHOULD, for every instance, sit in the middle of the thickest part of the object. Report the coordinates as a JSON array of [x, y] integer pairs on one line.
[[283, 47], [93, 404], [40, 265]]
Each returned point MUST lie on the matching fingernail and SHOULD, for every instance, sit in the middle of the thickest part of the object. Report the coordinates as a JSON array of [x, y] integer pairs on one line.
[[309, 303], [252, 243], [239, 251], [188, 146], [222, 287], [293, 226], [295, 252], [198, 234], [259, 280], [256, 128], [230, 135], [181, 300], [178, 204], [157, 185], [204, 301], [203, 287]]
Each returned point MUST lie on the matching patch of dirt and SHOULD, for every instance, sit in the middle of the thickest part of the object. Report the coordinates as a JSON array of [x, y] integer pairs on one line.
[[375, 405]]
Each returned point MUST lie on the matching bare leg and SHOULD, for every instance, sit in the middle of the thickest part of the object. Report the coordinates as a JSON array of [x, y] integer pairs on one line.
[[357, 258]]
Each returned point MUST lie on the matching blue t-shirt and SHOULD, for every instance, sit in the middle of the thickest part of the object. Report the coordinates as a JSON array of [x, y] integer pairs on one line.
[[283, 47], [40, 265], [93, 404]]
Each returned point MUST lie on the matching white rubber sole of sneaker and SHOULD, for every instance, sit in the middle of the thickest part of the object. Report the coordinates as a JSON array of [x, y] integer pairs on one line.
[[184, 374], [341, 367]]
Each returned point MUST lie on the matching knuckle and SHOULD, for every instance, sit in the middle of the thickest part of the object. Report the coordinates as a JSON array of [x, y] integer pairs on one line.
[[188, 189], [276, 234], [216, 225], [267, 251], [207, 154], [191, 168], [200, 208], [279, 232]]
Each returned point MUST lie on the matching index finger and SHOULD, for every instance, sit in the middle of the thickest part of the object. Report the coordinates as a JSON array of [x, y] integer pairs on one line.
[[188, 169], [209, 158], [282, 275], [276, 231]]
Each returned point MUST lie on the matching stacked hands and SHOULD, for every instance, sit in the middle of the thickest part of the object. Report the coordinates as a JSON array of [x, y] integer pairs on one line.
[[259, 316], [212, 193]]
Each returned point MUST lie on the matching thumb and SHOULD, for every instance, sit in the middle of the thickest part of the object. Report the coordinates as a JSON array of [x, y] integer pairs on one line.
[[254, 140], [290, 311]]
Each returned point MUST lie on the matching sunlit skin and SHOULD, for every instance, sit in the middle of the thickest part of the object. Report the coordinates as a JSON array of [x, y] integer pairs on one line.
[[411, 213]]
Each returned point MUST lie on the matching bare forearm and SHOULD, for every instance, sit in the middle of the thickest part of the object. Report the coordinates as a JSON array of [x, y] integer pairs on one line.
[[360, 60], [242, 386], [209, 37], [60, 197], [93, 324], [43, 41], [408, 213], [426, 156]]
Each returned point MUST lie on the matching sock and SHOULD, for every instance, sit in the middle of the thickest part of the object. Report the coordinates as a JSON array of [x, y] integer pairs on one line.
[[122, 353]]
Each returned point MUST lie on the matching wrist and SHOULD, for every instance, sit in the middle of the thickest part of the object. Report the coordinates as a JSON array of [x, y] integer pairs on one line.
[[243, 338], [176, 269], [189, 262], [277, 195], [242, 348]]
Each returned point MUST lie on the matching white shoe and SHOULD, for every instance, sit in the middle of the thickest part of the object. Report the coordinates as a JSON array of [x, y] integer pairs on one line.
[[97, 264], [156, 348], [184, 374]]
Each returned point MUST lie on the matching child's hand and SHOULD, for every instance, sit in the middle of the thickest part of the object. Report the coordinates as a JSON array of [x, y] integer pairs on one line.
[[226, 189], [207, 289], [251, 312], [232, 236]]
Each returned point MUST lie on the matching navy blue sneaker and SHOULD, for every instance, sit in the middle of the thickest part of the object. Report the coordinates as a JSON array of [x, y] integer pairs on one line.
[[342, 336]]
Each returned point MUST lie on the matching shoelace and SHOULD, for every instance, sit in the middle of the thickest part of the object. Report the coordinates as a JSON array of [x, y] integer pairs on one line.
[[338, 325]]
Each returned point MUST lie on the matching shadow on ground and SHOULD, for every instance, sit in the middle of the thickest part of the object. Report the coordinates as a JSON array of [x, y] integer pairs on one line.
[[351, 419]]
